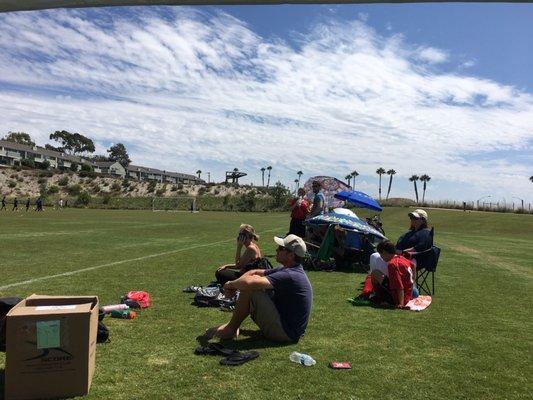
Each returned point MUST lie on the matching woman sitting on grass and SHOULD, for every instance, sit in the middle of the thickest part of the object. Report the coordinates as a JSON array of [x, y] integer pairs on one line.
[[252, 253]]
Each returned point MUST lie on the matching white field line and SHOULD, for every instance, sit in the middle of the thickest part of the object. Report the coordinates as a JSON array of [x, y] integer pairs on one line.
[[112, 264]]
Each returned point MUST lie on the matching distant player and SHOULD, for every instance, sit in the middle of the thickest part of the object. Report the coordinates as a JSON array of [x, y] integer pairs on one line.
[[28, 204], [60, 204], [15, 205], [3, 203], [39, 204]]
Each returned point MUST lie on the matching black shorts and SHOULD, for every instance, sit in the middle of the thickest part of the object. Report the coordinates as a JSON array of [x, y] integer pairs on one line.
[[385, 291]]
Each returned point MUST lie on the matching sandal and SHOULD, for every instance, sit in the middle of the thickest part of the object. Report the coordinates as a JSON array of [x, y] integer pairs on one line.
[[215, 349], [240, 357]]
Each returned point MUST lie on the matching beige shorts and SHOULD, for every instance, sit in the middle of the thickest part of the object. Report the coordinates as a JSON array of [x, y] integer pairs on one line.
[[265, 314]]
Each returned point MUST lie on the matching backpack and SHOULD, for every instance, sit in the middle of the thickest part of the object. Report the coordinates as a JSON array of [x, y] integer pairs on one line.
[[102, 335], [6, 304], [259, 263], [208, 297], [140, 297]]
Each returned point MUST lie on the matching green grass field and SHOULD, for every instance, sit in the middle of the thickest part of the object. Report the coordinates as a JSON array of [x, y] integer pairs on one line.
[[475, 341]]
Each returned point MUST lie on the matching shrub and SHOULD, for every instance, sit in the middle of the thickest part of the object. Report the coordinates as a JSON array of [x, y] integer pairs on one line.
[[151, 186], [86, 168], [53, 189], [41, 181], [115, 187], [180, 186], [125, 183], [28, 162], [20, 179], [105, 183], [96, 188], [12, 184], [82, 174], [17, 168], [46, 174], [247, 201], [44, 165], [13, 176], [63, 181], [74, 167], [202, 191], [83, 200], [106, 199], [174, 188], [160, 192], [74, 190]]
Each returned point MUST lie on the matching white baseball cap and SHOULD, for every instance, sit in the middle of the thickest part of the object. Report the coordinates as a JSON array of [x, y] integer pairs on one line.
[[292, 243], [419, 213]]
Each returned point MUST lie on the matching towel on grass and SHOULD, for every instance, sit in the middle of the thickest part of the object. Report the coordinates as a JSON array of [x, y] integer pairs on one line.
[[419, 304]]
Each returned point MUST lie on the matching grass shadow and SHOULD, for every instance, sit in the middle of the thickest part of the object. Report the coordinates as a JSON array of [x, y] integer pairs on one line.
[[253, 340]]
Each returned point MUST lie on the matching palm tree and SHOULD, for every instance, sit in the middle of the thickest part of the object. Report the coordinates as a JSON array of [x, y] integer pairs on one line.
[[424, 178], [299, 173], [297, 182], [348, 178], [380, 171], [390, 172], [269, 168], [198, 173], [413, 179], [263, 169], [531, 178], [354, 174]]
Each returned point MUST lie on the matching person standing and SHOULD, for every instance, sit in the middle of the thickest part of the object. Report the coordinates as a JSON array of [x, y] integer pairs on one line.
[[39, 204], [3, 203], [299, 210], [60, 204], [28, 204], [15, 204], [319, 200]]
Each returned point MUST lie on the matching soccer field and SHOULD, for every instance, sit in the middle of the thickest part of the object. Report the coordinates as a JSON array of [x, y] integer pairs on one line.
[[474, 341]]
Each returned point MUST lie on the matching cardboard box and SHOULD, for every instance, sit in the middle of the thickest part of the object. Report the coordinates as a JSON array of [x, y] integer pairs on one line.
[[51, 347]]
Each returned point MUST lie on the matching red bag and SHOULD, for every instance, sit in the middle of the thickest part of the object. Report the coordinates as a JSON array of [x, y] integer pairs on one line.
[[142, 298]]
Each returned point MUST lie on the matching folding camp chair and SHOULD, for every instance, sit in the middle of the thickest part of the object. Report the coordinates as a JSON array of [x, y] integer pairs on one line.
[[318, 254], [426, 264]]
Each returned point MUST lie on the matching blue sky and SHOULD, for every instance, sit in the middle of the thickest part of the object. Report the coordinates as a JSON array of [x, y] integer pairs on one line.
[[442, 89]]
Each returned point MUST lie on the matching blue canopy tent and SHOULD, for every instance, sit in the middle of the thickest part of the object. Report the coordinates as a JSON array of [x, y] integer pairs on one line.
[[359, 199]]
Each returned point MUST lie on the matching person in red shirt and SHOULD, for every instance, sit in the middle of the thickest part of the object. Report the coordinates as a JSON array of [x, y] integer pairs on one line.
[[397, 288], [299, 210]]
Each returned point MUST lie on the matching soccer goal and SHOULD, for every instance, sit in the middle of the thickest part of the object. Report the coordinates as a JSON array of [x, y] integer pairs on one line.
[[176, 204]]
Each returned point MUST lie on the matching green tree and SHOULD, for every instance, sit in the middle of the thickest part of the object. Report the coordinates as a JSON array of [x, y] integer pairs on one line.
[[299, 173], [354, 174], [348, 179], [269, 168], [263, 169], [391, 173], [72, 143], [19, 137], [118, 153], [280, 195], [424, 178], [380, 171], [414, 179]]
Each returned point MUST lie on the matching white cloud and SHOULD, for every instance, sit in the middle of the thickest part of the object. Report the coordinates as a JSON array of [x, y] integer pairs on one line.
[[187, 90], [432, 55]]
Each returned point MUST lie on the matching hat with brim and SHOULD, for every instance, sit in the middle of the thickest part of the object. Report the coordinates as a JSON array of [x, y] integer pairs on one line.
[[419, 214], [292, 243]]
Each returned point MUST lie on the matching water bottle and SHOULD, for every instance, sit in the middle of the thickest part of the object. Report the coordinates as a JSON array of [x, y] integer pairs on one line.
[[123, 314], [112, 307], [303, 359]]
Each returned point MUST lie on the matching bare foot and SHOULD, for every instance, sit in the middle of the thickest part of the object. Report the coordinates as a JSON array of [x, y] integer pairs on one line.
[[221, 332]]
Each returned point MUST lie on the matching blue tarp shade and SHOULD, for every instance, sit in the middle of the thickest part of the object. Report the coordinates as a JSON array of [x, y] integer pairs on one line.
[[345, 221], [360, 199]]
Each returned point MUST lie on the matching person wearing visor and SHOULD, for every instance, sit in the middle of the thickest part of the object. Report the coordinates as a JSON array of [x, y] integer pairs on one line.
[[246, 239], [278, 300], [418, 238]]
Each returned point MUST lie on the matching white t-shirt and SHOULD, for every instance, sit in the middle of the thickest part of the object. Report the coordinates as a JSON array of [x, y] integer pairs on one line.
[[378, 263]]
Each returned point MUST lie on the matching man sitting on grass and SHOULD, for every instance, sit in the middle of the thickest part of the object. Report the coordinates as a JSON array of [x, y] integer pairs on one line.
[[278, 300], [396, 288]]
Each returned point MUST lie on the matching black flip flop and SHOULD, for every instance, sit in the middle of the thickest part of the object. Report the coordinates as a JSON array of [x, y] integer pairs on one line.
[[239, 358], [214, 349]]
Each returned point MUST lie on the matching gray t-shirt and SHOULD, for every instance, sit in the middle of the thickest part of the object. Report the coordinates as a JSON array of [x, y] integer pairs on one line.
[[293, 297]]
